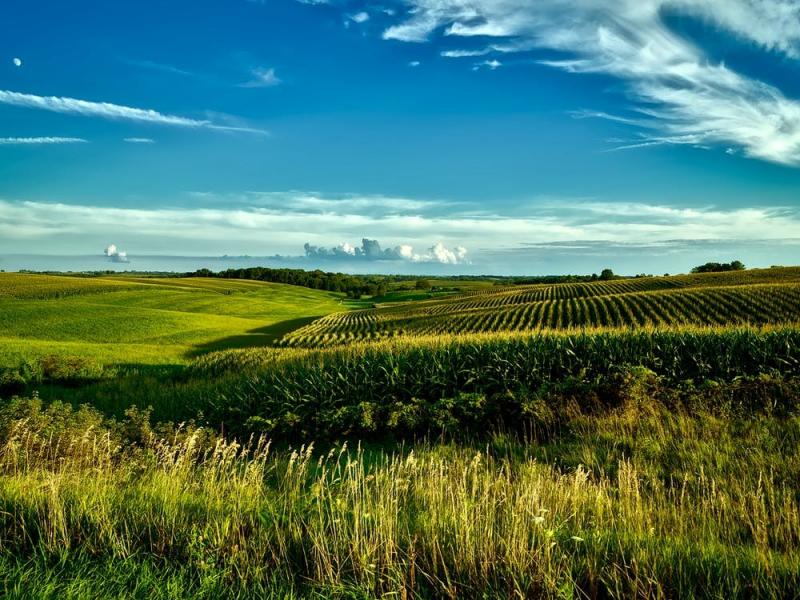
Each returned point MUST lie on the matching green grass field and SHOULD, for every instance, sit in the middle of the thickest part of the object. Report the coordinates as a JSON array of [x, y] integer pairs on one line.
[[121, 320], [213, 438]]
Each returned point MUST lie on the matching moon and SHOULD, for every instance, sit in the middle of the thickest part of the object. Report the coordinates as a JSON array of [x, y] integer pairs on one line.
[[17, 62]]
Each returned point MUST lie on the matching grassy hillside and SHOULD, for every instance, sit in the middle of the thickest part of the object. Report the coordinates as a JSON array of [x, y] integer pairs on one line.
[[121, 320], [720, 299]]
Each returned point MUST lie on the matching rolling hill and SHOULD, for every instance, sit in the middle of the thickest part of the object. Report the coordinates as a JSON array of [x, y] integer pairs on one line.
[[129, 320]]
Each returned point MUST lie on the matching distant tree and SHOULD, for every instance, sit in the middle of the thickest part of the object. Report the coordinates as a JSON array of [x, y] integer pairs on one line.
[[715, 267], [422, 284], [606, 274]]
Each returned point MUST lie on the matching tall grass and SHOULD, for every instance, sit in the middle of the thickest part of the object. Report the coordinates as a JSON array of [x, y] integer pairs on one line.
[[637, 501]]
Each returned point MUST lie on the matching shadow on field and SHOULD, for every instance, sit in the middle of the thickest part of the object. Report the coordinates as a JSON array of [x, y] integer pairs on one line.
[[255, 338]]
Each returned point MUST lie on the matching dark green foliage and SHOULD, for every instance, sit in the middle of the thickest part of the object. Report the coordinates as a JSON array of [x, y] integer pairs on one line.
[[606, 274], [422, 284], [353, 285], [406, 388], [66, 370], [714, 267]]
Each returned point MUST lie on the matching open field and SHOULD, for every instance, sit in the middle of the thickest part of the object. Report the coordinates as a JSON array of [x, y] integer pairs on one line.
[[217, 438], [126, 320]]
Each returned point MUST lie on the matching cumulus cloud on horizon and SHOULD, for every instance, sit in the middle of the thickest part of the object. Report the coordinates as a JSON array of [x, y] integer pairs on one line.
[[116, 255], [371, 250]]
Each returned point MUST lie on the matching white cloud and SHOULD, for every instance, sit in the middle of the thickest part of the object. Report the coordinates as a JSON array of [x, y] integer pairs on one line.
[[107, 110], [139, 140], [359, 17], [16, 141], [165, 68], [278, 227], [115, 254], [17, 62], [680, 90], [439, 253], [414, 63], [465, 53], [347, 249], [489, 64], [262, 77], [370, 250]]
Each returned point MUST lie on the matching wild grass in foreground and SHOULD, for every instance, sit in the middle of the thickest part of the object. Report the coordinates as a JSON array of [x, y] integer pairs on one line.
[[638, 500]]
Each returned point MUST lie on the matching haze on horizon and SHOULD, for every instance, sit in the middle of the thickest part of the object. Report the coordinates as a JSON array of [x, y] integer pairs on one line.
[[407, 136]]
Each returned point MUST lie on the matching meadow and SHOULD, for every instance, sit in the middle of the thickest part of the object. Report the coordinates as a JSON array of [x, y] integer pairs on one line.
[[145, 320], [625, 438]]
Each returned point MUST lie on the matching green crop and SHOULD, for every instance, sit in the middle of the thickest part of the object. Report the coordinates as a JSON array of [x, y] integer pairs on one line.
[[754, 297]]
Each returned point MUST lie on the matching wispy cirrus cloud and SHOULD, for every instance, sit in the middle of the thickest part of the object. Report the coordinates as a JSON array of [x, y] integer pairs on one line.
[[262, 77], [107, 110], [163, 67], [139, 140], [33, 141], [680, 91]]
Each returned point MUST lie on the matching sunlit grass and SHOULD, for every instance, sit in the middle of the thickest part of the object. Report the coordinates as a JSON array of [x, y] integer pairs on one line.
[[629, 503], [118, 320]]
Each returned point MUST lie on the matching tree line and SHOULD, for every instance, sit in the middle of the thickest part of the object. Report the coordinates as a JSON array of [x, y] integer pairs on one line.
[[354, 286]]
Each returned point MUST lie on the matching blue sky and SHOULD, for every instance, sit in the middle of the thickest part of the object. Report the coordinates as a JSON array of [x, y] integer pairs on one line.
[[503, 136]]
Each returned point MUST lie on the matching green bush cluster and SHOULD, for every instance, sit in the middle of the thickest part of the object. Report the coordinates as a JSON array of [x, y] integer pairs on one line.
[[59, 369]]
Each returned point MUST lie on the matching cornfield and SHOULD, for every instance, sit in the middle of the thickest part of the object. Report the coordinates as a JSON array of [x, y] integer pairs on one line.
[[369, 386], [754, 298]]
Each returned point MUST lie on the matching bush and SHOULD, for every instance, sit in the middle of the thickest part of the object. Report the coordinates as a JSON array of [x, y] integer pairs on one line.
[[68, 370], [714, 267]]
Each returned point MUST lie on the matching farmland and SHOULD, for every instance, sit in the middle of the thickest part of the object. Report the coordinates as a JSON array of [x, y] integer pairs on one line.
[[757, 297], [201, 437], [128, 320]]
